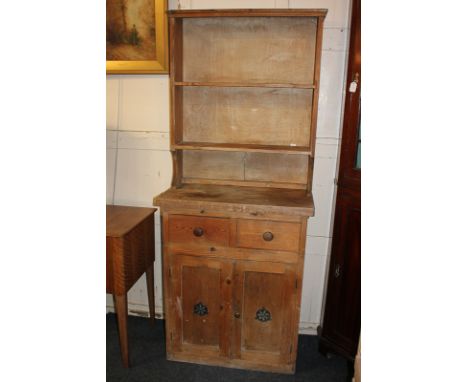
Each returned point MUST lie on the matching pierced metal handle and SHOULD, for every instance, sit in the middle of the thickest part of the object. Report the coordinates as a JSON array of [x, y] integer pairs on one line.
[[200, 309], [198, 231], [268, 236], [263, 315]]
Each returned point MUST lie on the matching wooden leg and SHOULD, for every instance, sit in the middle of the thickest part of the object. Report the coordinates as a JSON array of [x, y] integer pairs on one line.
[[150, 288], [120, 303]]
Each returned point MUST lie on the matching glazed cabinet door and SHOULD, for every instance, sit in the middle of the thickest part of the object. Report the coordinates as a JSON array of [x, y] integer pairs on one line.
[[201, 305], [263, 309]]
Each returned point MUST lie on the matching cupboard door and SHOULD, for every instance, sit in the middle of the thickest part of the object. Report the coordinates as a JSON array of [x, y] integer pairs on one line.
[[264, 301], [342, 319], [201, 305]]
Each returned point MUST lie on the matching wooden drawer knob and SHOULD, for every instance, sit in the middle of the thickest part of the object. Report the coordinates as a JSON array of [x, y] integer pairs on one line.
[[268, 236], [198, 231]]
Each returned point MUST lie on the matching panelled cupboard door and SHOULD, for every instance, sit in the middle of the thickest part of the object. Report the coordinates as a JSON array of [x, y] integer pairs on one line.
[[342, 319], [264, 300], [201, 308]]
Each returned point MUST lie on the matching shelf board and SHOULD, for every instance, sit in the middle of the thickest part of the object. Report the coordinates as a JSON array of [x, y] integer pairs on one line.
[[298, 150], [317, 12], [245, 85], [245, 183]]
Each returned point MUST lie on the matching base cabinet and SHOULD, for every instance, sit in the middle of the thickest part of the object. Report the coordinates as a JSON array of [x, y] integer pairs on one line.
[[229, 305]]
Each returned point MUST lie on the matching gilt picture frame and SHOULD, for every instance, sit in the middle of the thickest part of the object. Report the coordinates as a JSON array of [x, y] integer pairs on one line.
[[136, 37]]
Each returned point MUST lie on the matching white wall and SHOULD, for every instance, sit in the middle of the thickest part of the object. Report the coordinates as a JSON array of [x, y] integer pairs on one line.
[[139, 164]]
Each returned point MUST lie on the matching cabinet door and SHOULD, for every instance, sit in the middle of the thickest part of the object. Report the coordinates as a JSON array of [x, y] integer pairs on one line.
[[264, 306], [201, 305], [342, 319]]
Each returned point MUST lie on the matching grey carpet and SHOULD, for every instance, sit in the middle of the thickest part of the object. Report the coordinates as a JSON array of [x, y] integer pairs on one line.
[[148, 360]]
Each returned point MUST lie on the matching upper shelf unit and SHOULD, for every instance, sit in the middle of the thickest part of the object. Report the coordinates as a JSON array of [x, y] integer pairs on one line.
[[245, 81], [271, 50]]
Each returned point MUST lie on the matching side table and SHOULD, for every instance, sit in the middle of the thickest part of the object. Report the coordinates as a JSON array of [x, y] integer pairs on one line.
[[129, 254]]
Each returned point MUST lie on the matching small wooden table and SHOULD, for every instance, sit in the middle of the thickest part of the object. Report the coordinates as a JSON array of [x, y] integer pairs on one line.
[[129, 254]]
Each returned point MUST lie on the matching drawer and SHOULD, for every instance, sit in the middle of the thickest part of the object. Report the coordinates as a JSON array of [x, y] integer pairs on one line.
[[198, 230], [262, 234]]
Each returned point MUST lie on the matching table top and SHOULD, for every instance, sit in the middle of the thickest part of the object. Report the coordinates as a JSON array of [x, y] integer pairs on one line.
[[122, 219], [273, 200]]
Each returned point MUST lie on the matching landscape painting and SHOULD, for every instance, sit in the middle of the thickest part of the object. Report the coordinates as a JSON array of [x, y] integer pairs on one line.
[[130, 30], [136, 34]]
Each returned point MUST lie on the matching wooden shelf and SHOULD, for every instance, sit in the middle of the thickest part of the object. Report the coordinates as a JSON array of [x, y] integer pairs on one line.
[[185, 13], [245, 183], [245, 85], [272, 149]]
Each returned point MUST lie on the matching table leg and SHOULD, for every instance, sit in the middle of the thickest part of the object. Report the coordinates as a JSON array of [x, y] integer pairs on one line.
[[150, 288], [120, 303]]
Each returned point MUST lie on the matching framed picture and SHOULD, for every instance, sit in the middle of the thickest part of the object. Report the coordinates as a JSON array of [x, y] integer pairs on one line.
[[136, 36]]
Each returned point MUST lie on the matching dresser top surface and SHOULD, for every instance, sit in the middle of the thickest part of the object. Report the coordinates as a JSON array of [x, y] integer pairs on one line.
[[121, 219], [275, 200]]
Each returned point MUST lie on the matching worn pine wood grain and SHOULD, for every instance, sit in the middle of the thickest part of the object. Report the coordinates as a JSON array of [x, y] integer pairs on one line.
[[245, 183], [315, 103], [247, 115], [269, 286], [285, 235], [281, 168], [233, 253], [238, 48], [215, 231], [253, 169], [245, 84], [262, 12], [244, 98], [248, 147], [213, 165], [238, 199], [205, 281], [201, 284]]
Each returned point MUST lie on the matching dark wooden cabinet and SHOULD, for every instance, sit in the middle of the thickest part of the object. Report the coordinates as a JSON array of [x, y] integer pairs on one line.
[[341, 326], [342, 319]]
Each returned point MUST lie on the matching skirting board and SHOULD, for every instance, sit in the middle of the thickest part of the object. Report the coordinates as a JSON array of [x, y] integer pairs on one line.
[[308, 328]]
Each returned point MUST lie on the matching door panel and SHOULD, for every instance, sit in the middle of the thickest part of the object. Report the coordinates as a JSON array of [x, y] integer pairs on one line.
[[201, 296], [343, 309], [263, 305], [201, 299]]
